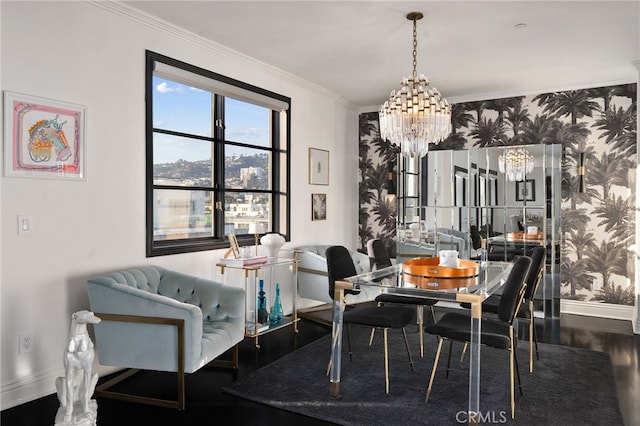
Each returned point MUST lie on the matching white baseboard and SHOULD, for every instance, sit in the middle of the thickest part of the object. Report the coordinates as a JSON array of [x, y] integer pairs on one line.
[[596, 309], [37, 386]]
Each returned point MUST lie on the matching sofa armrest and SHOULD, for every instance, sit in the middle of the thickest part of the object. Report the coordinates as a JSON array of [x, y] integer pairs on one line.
[[140, 345]]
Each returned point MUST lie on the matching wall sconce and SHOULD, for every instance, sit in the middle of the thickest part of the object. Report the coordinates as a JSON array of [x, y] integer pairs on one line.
[[581, 173]]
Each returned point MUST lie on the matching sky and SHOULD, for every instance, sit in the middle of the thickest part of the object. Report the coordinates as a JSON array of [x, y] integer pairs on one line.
[[188, 109]]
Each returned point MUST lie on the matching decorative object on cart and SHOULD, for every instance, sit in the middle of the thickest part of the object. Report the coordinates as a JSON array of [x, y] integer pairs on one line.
[[76, 387], [272, 241], [234, 247], [43, 138], [515, 163], [256, 228], [416, 115], [318, 166], [276, 315], [263, 315]]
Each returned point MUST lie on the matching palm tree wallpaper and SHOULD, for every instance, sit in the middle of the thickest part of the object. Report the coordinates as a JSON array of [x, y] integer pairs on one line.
[[598, 225]]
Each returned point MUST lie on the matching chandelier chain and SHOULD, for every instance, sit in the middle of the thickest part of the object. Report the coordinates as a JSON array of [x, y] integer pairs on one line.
[[415, 50]]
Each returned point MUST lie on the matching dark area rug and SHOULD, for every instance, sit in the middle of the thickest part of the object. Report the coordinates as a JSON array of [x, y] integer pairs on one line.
[[568, 385]]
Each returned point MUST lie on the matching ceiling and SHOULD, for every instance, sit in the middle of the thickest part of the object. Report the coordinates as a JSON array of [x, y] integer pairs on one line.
[[468, 49]]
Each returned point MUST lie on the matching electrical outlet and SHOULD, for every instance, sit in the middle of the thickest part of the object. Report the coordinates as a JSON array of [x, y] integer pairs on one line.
[[25, 342]]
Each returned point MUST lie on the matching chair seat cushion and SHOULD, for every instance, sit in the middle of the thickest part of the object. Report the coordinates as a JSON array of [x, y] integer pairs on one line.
[[409, 300], [384, 316], [458, 327]]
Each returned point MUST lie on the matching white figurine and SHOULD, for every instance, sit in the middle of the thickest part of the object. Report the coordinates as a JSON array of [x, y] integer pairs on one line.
[[76, 388]]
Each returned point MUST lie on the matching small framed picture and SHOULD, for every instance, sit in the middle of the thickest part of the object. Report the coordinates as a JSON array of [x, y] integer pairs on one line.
[[235, 247], [318, 206], [526, 190], [318, 166], [43, 138]]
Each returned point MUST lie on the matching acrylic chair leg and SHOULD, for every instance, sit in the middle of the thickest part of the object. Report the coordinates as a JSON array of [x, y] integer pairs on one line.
[[386, 361], [433, 371]]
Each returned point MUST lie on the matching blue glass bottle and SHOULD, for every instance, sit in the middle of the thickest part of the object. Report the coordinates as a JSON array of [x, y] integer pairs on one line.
[[262, 305], [275, 318]]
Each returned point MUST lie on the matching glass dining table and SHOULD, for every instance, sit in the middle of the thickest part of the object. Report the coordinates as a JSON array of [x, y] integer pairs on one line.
[[489, 278]]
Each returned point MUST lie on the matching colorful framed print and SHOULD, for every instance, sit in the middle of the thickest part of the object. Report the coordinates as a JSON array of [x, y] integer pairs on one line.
[[318, 166], [43, 138], [318, 206]]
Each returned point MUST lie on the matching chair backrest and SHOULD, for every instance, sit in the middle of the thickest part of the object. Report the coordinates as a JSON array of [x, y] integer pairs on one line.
[[339, 266], [476, 238], [378, 252], [535, 271], [514, 289]]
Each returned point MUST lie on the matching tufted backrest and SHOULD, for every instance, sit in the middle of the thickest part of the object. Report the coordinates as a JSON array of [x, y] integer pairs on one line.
[[183, 288]]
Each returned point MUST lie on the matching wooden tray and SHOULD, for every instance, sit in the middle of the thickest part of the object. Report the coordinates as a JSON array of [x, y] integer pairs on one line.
[[524, 236], [425, 272]]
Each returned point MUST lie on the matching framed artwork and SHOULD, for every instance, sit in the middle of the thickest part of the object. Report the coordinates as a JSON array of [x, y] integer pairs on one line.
[[318, 206], [526, 190], [234, 246], [318, 166], [43, 138]]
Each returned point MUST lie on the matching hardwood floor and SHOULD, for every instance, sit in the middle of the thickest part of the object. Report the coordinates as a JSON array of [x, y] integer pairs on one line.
[[206, 403]]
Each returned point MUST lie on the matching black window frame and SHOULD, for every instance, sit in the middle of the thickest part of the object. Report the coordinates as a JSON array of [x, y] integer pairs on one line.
[[218, 240]]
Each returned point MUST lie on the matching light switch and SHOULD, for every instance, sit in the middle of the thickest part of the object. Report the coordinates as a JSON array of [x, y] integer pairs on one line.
[[25, 224]]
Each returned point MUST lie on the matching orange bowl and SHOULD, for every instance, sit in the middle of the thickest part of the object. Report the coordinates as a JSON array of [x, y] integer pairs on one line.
[[425, 272]]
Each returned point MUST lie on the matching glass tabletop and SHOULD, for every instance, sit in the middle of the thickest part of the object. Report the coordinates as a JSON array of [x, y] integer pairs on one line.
[[491, 276]]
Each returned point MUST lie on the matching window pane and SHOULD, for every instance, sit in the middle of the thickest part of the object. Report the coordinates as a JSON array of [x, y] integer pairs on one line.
[[243, 208], [247, 168], [181, 161], [247, 123], [181, 108], [181, 214]]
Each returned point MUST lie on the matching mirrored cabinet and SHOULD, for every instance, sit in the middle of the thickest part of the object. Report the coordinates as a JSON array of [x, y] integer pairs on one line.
[[506, 197]]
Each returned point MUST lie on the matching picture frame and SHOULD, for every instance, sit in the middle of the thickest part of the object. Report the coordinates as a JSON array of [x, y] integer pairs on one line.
[[318, 166], [526, 190], [234, 246], [318, 206], [43, 138]]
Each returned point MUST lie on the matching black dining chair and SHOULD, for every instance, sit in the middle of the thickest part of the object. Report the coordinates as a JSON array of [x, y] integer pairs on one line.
[[534, 277], [340, 266], [380, 259], [494, 332]]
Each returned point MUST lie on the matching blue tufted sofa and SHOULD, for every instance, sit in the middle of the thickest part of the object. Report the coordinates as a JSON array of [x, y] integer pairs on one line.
[[313, 282], [158, 319]]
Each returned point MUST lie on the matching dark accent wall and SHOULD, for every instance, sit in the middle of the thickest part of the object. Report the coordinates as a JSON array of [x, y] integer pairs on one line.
[[598, 226]]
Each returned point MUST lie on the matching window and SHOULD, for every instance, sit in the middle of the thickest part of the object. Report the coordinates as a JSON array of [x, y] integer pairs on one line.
[[217, 158]]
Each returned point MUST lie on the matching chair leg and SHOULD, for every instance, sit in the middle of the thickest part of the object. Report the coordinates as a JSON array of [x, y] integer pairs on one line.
[[420, 314], [433, 371], [449, 358], [373, 332], [511, 378], [349, 343], [464, 351], [386, 361], [406, 345]]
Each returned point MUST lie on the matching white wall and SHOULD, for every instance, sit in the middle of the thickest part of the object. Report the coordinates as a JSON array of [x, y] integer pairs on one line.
[[93, 55]]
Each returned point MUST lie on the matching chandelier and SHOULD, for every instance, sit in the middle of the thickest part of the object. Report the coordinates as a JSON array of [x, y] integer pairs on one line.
[[515, 163], [416, 115]]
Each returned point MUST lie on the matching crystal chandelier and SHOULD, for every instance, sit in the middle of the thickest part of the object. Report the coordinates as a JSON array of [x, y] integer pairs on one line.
[[515, 163], [416, 115]]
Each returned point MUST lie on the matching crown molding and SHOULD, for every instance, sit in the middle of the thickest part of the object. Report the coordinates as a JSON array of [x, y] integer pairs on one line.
[[117, 7]]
